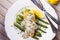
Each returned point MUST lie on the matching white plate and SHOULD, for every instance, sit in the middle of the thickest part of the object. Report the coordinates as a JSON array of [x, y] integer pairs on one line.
[[12, 32]]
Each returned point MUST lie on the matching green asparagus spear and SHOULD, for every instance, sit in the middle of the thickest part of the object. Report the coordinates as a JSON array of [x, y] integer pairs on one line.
[[19, 22], [42, 20], [35, 37], [19, 19], [27, 9], [18, 26], [41, 25], [38, 33], [20, 16], [41, 30]]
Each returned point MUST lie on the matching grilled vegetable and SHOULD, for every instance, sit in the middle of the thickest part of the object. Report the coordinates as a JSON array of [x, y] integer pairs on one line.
[[41, 30], [18, 21], [20, 16], [19, 27], [35, 38], [38, 33], [44, 26], [42, 20], [26, 9]]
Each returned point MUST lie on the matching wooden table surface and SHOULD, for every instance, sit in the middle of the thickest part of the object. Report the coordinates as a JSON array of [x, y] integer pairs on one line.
[[5, 5]]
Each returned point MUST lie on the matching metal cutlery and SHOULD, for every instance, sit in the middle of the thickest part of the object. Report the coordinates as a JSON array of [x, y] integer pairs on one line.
[[52, 26], [47, 14], [56, 21], [43, 9]]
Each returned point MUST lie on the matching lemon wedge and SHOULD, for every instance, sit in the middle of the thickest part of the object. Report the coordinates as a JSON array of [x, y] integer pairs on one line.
[[53, 2], [38, 13]]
